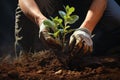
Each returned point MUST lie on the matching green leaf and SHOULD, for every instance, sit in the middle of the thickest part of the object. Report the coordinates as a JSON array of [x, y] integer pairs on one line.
[[71, 30], [48, 23], [57, 21], [56, 34], [67, 27], [65, 31], [52, 34], [62, 14], [72, 19], [67, 8], [70, 11]]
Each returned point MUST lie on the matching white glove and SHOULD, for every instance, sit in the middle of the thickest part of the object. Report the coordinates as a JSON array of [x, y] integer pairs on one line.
[[80, 42], [46, 39]]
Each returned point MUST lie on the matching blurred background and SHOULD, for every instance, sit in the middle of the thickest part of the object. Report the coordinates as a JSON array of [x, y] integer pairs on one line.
[[7, 22], [7, 18]]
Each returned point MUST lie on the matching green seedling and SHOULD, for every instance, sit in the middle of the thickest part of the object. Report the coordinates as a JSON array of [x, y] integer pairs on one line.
[[59, 27]]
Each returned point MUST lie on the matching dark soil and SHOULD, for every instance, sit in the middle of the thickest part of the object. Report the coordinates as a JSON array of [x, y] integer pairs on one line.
[[47, 65]]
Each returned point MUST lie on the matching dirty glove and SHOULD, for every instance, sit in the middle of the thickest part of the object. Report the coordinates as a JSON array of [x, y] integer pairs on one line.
[[47, 40], [80, 42]]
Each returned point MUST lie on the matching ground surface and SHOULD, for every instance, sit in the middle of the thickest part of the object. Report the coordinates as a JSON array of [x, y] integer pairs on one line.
[[49, 66]]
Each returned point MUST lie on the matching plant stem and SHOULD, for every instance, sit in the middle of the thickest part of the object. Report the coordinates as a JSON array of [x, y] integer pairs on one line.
[[64, 34]]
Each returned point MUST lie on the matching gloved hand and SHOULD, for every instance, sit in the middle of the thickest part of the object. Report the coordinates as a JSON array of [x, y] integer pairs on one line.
[[46, 39], [80, 42]]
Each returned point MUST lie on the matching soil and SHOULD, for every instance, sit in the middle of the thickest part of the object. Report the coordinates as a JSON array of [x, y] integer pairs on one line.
[[48, 65]]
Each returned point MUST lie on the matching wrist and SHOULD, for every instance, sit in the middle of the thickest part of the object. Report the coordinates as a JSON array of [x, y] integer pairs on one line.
[[85, 30], [87, 25], [42, 26], [40, 20]]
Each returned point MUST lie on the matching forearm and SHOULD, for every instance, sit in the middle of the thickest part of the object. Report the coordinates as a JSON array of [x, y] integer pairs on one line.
[[31, 10], [94, 14]]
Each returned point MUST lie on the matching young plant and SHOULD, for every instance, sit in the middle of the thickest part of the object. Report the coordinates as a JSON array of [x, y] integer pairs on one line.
[[59, 27]]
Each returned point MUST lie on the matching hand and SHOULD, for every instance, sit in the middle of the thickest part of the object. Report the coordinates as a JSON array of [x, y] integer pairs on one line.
[[80, 42], [46, 39]]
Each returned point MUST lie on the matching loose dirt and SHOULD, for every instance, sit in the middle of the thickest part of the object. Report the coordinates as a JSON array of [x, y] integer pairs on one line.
[[48, 65]]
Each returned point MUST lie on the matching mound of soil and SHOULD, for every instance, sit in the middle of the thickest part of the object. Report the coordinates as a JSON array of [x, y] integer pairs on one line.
[[47, 65]]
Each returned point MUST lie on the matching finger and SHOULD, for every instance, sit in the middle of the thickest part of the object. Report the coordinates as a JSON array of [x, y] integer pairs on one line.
[[48, 41], [53, 43], [85, 48], [74, 51], [81, 50], [88, 44], [71, 43], [77, 47], [90, 49], [79, 42], [43, 40]]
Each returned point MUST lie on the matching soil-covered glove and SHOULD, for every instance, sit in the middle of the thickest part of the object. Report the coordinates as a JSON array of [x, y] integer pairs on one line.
[[80, 42], [46, 39]]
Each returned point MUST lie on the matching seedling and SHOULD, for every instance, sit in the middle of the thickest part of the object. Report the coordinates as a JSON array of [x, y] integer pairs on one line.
[[59, 27]]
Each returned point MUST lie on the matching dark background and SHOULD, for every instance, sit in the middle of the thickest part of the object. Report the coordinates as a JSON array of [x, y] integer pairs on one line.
[[7, 21], [7, 18]]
